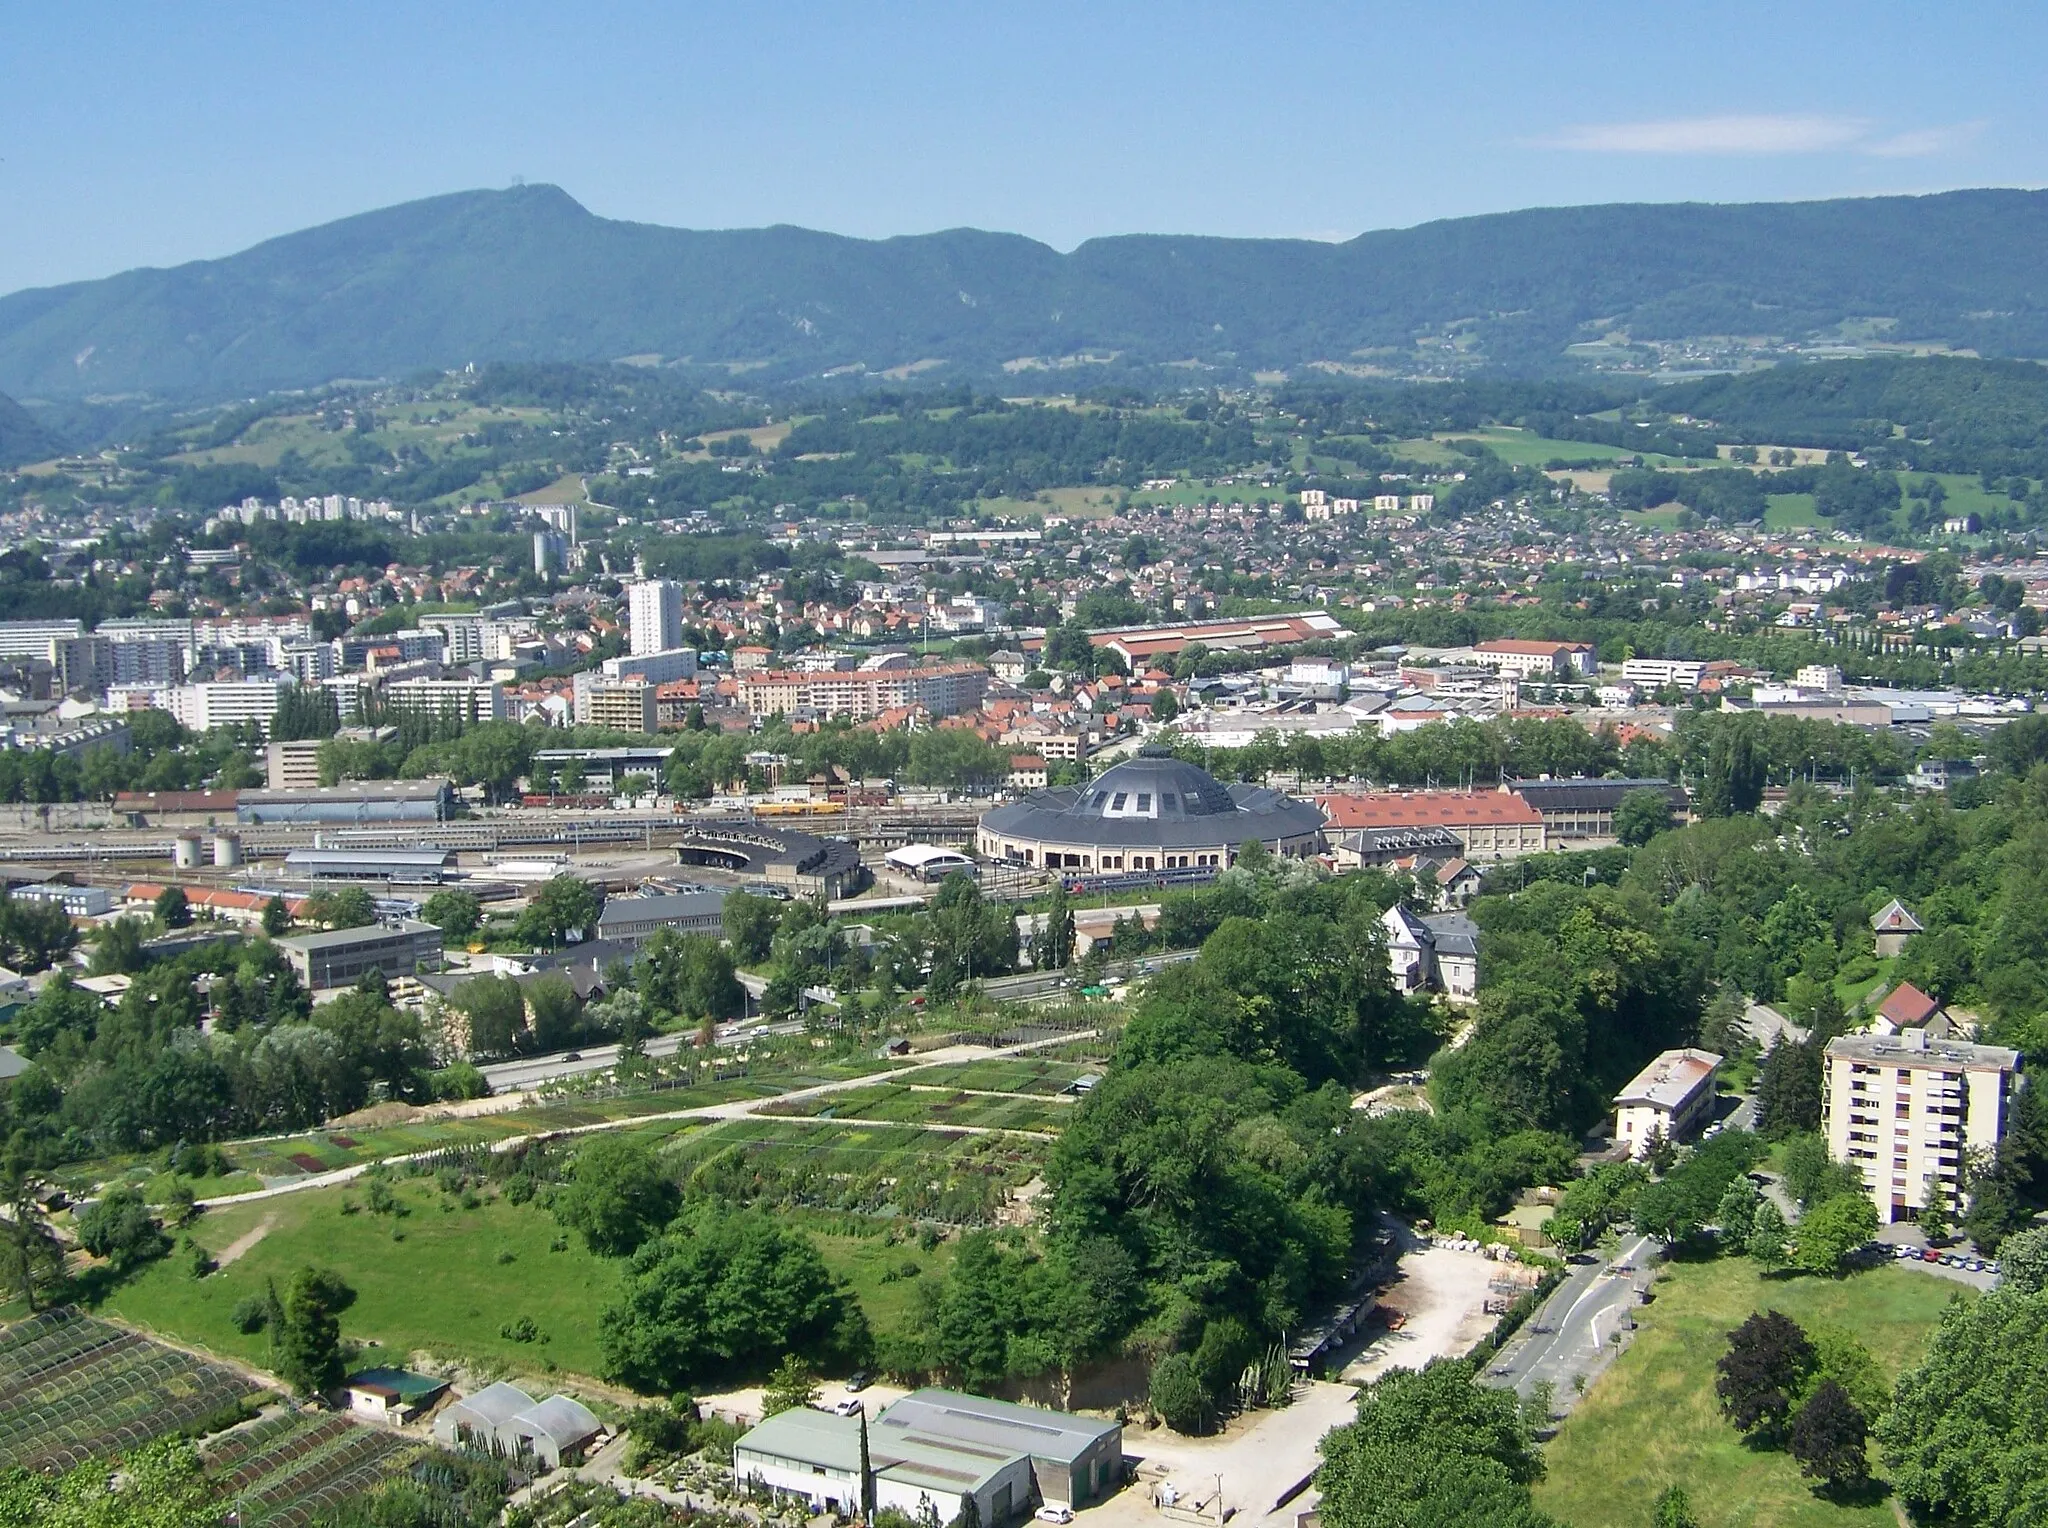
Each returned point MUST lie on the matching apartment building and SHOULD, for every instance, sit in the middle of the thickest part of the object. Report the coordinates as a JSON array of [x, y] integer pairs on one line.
[[1906, 1109], [293, 766], [1539, 660], [1667, 1100], [1655, 673], [654, 614], [943, 690], [470, 700], [203, 707], [623, 706]]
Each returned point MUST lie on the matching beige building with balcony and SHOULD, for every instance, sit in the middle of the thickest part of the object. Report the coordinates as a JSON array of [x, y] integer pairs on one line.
[[1906, 1108]]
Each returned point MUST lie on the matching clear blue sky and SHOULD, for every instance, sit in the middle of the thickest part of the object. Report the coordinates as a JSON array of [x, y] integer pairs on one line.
[[152, 134]]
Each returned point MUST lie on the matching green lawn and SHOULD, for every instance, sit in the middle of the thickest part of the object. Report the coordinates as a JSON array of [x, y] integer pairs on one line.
[[1790, 511], [444, 1287], [1651, 1421]]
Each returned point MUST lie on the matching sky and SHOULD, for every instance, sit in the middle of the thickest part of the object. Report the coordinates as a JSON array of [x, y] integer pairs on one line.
[[152, 134]]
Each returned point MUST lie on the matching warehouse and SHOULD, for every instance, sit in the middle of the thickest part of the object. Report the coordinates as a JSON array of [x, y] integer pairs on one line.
[[411, 866], [1151, 812], [693, 910], [932, 1449], [360, 801]]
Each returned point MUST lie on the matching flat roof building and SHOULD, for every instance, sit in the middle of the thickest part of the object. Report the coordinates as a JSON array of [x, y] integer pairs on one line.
[[1666, 1100], [341, 957], [359, 801], [409, 865], [632, 920]]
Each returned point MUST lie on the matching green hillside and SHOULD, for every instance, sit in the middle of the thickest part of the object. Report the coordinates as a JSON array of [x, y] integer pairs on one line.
[[528, 274]]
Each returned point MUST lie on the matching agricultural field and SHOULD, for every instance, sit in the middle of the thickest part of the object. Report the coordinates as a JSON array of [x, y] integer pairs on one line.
[[72, 1389], [904, 1103], [287, 1468], [1007, 1074], [925, 1173], [1651, 1421]]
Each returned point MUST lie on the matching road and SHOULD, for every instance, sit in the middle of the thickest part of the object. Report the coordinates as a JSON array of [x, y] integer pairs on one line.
[[1567, 1337]]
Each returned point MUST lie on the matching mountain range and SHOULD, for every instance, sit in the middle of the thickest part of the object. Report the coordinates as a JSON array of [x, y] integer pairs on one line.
[[530, 274]]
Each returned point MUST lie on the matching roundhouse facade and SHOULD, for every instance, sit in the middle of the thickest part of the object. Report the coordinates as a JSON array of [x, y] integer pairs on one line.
[[1151, 812]]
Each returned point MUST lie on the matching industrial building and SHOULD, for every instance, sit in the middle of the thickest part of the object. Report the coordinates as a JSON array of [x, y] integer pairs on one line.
[[1151, 812], [694, 910], [932, 1449], [358, 802], [603, 768], [341, 957], [1584, 809], [411, 866], [800, 863], [1490, 824]]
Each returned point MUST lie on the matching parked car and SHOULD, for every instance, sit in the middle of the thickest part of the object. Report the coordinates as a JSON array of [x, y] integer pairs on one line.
[[860, 1381], [1051, 1513], [847, 1408]]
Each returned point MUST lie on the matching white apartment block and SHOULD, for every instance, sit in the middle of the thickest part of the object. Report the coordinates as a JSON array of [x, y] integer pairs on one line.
[[1386, 504], [1667, 1100], [1906, 1109], [1421, 503], [1655, 673], [203, 707], [943, 690], [654, 616], [32, 639], [468, 700]]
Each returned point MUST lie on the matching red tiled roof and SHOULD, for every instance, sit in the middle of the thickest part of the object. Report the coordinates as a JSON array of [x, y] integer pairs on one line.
[[1908, 1007], [1401, 809]]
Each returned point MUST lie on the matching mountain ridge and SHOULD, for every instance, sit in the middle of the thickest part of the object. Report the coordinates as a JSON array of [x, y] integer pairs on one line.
[[531, 274]]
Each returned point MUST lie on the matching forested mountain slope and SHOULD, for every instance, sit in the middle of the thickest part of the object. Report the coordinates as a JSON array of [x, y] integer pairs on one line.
[[530, 274]]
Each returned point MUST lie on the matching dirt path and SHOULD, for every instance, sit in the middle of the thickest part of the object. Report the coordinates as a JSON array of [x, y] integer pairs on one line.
[[248, 1239]]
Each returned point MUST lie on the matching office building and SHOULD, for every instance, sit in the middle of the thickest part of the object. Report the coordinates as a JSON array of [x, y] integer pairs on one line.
[[654, 613], [293, 766], [341, 957]]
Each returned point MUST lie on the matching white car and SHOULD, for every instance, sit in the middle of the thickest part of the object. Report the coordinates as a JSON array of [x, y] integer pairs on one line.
[[849, 1407], [1052, 1513]]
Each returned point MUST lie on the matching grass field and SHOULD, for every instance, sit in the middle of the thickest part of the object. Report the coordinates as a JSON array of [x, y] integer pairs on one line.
[[1790, 511], [1651, 1421], [457, 1278]]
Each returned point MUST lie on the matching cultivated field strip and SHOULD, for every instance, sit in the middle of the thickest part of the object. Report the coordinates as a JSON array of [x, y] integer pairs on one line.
[[286, 1469], [72, 1389]]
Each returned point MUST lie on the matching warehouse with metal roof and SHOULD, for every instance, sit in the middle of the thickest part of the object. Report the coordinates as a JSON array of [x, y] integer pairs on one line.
[[411, 865]]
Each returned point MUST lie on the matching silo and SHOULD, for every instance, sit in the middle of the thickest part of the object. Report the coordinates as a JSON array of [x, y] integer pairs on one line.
[[185, 851], [227, 850]]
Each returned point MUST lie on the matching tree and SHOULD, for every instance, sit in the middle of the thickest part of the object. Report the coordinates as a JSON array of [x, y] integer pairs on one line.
[[308, 1334], [1788, 1089], [616, 1195], [725, 1295], [1055, 945], [563, 910], [1967, 1430], [31, 1257], [1767, 1361], [1176, 1395], [1736, 1214], [277, 917], [793, 1386], [1431, 1449], [350, 907], [1733, 782], [1830, 1234], [117, 951], [2023, 1261], [119, 1227], [1812, 1175], [160, 1486], [1165, 705], [553, 1010], [970, 1511], [1830, 1439], [749, 926], [173, 908], [457, 914], [1673, 1510], [1767, 1232], [496, 1010], [1641, 815]]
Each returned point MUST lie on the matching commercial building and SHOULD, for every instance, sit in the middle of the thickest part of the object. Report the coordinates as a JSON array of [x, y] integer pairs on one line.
[[1491, 825], [1140, 645], [654, 616], [1540, 660], [942, 689], [1150, 812], [930, 1451], [1666, 1100], [1907, 1109], [32, 639], [602, 767], [341, 957], [76, 901], [632, 920], [1655, 673], [1578, 809], [359, 801]]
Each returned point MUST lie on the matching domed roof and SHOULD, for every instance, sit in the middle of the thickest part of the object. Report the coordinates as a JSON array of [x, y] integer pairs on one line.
[[1154, 784], [1155, 800]]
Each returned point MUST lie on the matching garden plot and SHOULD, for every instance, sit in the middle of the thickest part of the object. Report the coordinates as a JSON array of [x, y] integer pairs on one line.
[[927, 1173], [287, 1469], [914, 1104], [72, 1388], [1009, 1074]]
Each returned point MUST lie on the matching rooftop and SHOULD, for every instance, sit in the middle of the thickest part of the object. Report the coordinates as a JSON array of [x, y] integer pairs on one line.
[[1671, 1079], [973, 1418], [1915, 1048], [1907, 1007], [1394, 809], [339, 938]]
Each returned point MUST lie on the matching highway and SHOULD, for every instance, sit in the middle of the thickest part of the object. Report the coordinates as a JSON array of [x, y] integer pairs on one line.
[[1567, 1336]]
